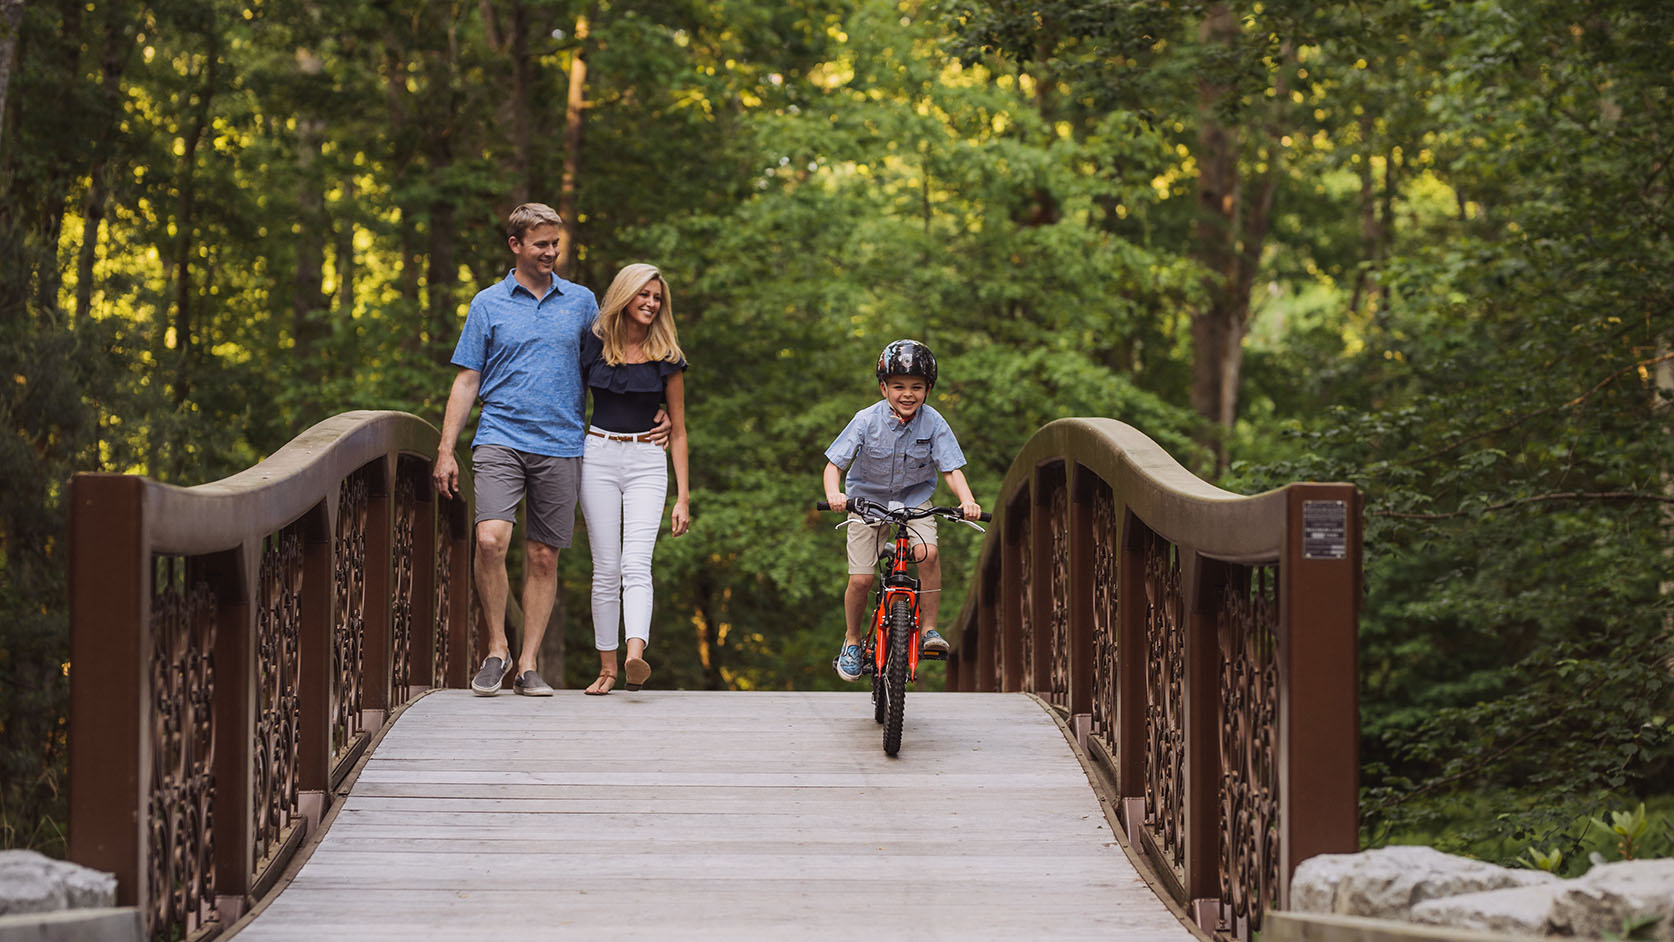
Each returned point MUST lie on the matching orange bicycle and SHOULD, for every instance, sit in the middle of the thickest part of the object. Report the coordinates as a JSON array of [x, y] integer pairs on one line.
[[890, 653]]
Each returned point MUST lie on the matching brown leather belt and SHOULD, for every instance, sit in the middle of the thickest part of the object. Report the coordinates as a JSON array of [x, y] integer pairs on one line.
[[623, 438]]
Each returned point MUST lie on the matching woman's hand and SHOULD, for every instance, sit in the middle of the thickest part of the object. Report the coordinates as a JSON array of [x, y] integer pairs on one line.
[[971, 509], [681, 517]]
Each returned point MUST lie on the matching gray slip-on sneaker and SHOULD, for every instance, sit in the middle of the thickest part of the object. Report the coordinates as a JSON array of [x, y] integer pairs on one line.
[[490, 676], [530, 684]]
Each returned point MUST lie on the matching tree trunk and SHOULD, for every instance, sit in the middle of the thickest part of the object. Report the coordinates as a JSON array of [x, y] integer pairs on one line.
[[11, 20], [308, 326], [572, 150], [1231, 231], [1217, 325], [113, 62], [442, 268], [186, 221]]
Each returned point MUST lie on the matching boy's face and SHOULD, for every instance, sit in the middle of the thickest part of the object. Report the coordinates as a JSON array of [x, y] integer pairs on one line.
[[537, 251], [904, 394]]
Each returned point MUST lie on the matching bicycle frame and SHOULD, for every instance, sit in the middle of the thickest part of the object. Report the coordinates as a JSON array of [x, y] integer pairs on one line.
[[895, 583]]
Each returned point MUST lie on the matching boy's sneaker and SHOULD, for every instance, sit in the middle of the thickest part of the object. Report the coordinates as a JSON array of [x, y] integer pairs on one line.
[[848, 662], [932, 642]]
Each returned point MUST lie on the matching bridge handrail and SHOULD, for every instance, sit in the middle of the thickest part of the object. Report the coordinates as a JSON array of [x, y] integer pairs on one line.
[[1229, 737], [235, 645]]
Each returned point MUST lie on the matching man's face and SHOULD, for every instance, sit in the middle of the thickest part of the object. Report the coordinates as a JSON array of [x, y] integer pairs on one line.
[[537, 251], [904, 393]]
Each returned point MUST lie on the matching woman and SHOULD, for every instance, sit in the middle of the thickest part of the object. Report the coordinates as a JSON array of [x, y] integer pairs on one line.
[[633, 365]]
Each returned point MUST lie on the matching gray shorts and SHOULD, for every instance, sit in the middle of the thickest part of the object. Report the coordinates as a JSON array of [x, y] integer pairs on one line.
[[503, 475]]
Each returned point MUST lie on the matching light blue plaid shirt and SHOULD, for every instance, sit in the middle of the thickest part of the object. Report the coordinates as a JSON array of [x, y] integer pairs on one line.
[[528, 351], [887, 459]]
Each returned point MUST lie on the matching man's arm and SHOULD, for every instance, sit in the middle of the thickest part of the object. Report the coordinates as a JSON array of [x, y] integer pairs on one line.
[[463, 395], [967, 502]]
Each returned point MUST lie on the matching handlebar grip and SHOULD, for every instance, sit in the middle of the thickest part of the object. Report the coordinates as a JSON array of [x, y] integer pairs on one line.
[[985, 516], [822, 505]]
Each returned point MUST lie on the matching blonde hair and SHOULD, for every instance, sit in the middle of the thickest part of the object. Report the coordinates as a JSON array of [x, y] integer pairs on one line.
[[530, 215], [661, 341]]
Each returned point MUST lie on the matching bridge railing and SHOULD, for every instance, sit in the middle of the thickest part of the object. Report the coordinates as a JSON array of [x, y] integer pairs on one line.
[[1201, 644], [234, 646]]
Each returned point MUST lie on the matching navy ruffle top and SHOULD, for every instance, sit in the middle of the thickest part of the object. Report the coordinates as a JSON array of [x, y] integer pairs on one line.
[[625, 397]]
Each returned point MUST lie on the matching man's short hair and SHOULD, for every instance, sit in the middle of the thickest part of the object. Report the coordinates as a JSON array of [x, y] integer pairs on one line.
[[530, 215]]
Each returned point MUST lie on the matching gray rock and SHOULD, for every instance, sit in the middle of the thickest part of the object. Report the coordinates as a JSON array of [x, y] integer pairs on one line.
[[1521, 910], [1609, 894], [31, 882], [1386, 883]]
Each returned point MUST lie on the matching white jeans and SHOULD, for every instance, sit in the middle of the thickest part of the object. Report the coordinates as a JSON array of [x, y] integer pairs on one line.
[[623, 486]]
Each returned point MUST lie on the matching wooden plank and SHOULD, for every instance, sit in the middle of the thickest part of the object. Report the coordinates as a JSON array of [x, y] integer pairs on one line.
[[711, 815]]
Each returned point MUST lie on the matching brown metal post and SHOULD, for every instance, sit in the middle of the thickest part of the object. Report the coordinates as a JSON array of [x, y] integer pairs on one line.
[[1319, 711], [1130, 667], [988, 632], [233, 575], [1015, 531], [110, 685], [314, 671], [1081, 589], [1200, 584], [460, 587], [378, 642], [1046, 482], [423, 655]]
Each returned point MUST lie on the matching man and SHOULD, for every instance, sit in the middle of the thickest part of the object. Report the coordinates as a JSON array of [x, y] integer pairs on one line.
[[520, 353]]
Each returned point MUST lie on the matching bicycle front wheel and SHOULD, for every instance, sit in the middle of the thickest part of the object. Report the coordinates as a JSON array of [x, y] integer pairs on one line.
[[895, 673]]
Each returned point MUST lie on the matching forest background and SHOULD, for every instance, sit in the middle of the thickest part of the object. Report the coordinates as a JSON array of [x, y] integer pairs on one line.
[[1416, 245]]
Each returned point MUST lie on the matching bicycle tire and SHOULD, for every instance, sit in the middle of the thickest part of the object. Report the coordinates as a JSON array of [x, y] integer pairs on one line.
[[895, 673]]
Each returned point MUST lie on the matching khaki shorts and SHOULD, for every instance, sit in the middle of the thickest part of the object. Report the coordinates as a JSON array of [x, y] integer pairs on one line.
[[503, 476], [866, 542]]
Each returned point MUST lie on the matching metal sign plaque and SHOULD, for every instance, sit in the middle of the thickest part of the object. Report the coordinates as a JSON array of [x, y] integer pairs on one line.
[[1324, 529]]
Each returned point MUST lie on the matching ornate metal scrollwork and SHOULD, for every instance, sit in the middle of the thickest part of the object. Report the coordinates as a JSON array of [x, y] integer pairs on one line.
[[1059, 522], [348, 614], [1249, 820], [401, 605], [444, 572], [1165, 670], [278, 662], [1106, 649], [181, 859]]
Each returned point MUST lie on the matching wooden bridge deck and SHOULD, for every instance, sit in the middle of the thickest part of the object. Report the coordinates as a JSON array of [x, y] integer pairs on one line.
[[717, 815]]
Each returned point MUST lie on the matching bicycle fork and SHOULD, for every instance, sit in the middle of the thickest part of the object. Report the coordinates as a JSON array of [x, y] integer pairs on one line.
[[880, 630]]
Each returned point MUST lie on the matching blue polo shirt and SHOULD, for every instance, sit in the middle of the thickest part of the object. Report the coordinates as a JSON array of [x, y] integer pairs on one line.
[[528, 351], [887, 459]]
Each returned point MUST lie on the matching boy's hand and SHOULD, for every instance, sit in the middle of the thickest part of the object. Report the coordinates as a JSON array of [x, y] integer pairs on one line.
[[839, 501], [971, 509]]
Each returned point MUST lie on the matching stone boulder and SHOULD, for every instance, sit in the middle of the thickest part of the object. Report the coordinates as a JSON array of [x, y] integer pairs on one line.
[[31, 882], [1599, 901], [1386, 883], [1521, 910]]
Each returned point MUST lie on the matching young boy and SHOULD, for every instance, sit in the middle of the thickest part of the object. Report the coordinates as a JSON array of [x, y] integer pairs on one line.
[[892, 451]]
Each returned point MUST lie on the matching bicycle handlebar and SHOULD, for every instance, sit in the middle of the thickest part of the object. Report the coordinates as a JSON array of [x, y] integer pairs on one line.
[[872, 509]]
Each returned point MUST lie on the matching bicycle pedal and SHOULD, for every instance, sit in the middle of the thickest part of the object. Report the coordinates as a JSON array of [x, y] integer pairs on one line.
[[932, 655]]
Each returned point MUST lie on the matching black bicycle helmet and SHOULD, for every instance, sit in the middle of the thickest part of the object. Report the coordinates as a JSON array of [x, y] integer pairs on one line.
[[907, 358]]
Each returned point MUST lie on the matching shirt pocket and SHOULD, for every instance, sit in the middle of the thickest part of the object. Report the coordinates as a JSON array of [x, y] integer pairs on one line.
[[918, 455], [875, 463]]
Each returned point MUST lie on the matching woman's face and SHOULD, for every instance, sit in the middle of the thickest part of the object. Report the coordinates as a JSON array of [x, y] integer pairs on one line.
[[643, 307]]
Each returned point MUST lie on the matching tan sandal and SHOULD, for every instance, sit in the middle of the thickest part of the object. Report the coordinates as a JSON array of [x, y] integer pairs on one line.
[[610, 681], [638, 672]]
